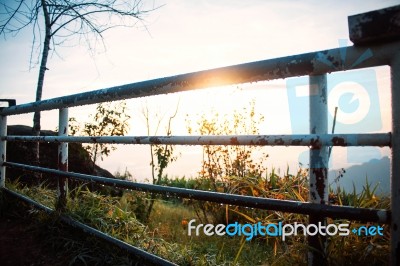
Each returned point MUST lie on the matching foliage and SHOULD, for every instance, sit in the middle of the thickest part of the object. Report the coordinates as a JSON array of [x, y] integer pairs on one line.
[[220, 162], [110, 119], [227, 167], [112, 215], [126, 175], [166, 234], [62, 21], [85, 20], [349, 250], [49, 241], [161, 155]]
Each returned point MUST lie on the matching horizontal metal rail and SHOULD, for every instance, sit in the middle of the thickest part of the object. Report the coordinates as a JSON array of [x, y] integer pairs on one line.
[[28, 200], [345, 212], [377, 139], [313, 63], [143, 255]]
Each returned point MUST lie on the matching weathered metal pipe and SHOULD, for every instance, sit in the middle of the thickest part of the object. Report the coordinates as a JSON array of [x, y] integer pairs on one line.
[[138, 253], [359, 214], [144, 257], [395, 162], [313, 63], [344, 140], [28, 200], [318, 151], [375, 26], [62, 188], [318, 172], [3, 149]]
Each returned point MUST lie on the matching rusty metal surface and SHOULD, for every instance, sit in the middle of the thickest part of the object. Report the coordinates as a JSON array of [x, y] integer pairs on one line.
[[62, 187], [313, 63], [344, 140], [3, 149], [376, 26], [395, 162], [318, 173], [319, 151], [346, 212]]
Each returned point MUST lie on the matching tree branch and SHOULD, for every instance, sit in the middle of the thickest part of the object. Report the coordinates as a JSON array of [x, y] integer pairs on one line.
[[3, 26]]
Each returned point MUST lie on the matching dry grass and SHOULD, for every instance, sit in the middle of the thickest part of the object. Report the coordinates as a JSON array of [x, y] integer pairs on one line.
[[166, 233]]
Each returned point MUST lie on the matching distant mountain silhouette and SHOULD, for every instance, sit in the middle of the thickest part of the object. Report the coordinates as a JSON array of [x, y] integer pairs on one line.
[[376, 171]]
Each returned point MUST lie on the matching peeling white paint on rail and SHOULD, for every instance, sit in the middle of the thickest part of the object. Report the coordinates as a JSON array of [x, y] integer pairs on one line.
[[62, 187], [270, 69], [3, 145], [344, 140]]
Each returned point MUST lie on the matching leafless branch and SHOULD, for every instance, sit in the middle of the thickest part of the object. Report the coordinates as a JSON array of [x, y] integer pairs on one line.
[[87, 19]]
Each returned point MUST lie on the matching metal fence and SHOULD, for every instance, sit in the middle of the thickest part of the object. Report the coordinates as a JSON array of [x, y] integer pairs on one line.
[[386, 52]]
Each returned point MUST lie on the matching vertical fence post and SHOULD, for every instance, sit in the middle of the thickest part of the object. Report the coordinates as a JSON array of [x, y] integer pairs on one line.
[[62, 160], [395, 162], [3, 144], [318, 164]]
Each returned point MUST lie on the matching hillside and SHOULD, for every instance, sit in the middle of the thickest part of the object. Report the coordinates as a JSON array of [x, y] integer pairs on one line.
[[376, 171], [21, 152]]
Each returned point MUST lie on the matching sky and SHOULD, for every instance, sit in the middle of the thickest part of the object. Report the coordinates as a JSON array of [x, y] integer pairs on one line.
[[185, 36]]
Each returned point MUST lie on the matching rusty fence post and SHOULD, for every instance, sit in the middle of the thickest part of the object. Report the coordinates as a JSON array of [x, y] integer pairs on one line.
[[318, 164], [395, 162], [3, 144], [62, 188]]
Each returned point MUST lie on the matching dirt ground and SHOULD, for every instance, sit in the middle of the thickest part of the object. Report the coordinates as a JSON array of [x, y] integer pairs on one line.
[[20, 244], [25, 240]]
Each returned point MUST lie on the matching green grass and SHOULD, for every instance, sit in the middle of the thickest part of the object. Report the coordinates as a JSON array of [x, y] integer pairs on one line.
[[166, 223], [166, 236]]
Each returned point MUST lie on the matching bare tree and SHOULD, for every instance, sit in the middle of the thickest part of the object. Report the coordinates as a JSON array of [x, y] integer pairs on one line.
[[161, 155], [56, 22]]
